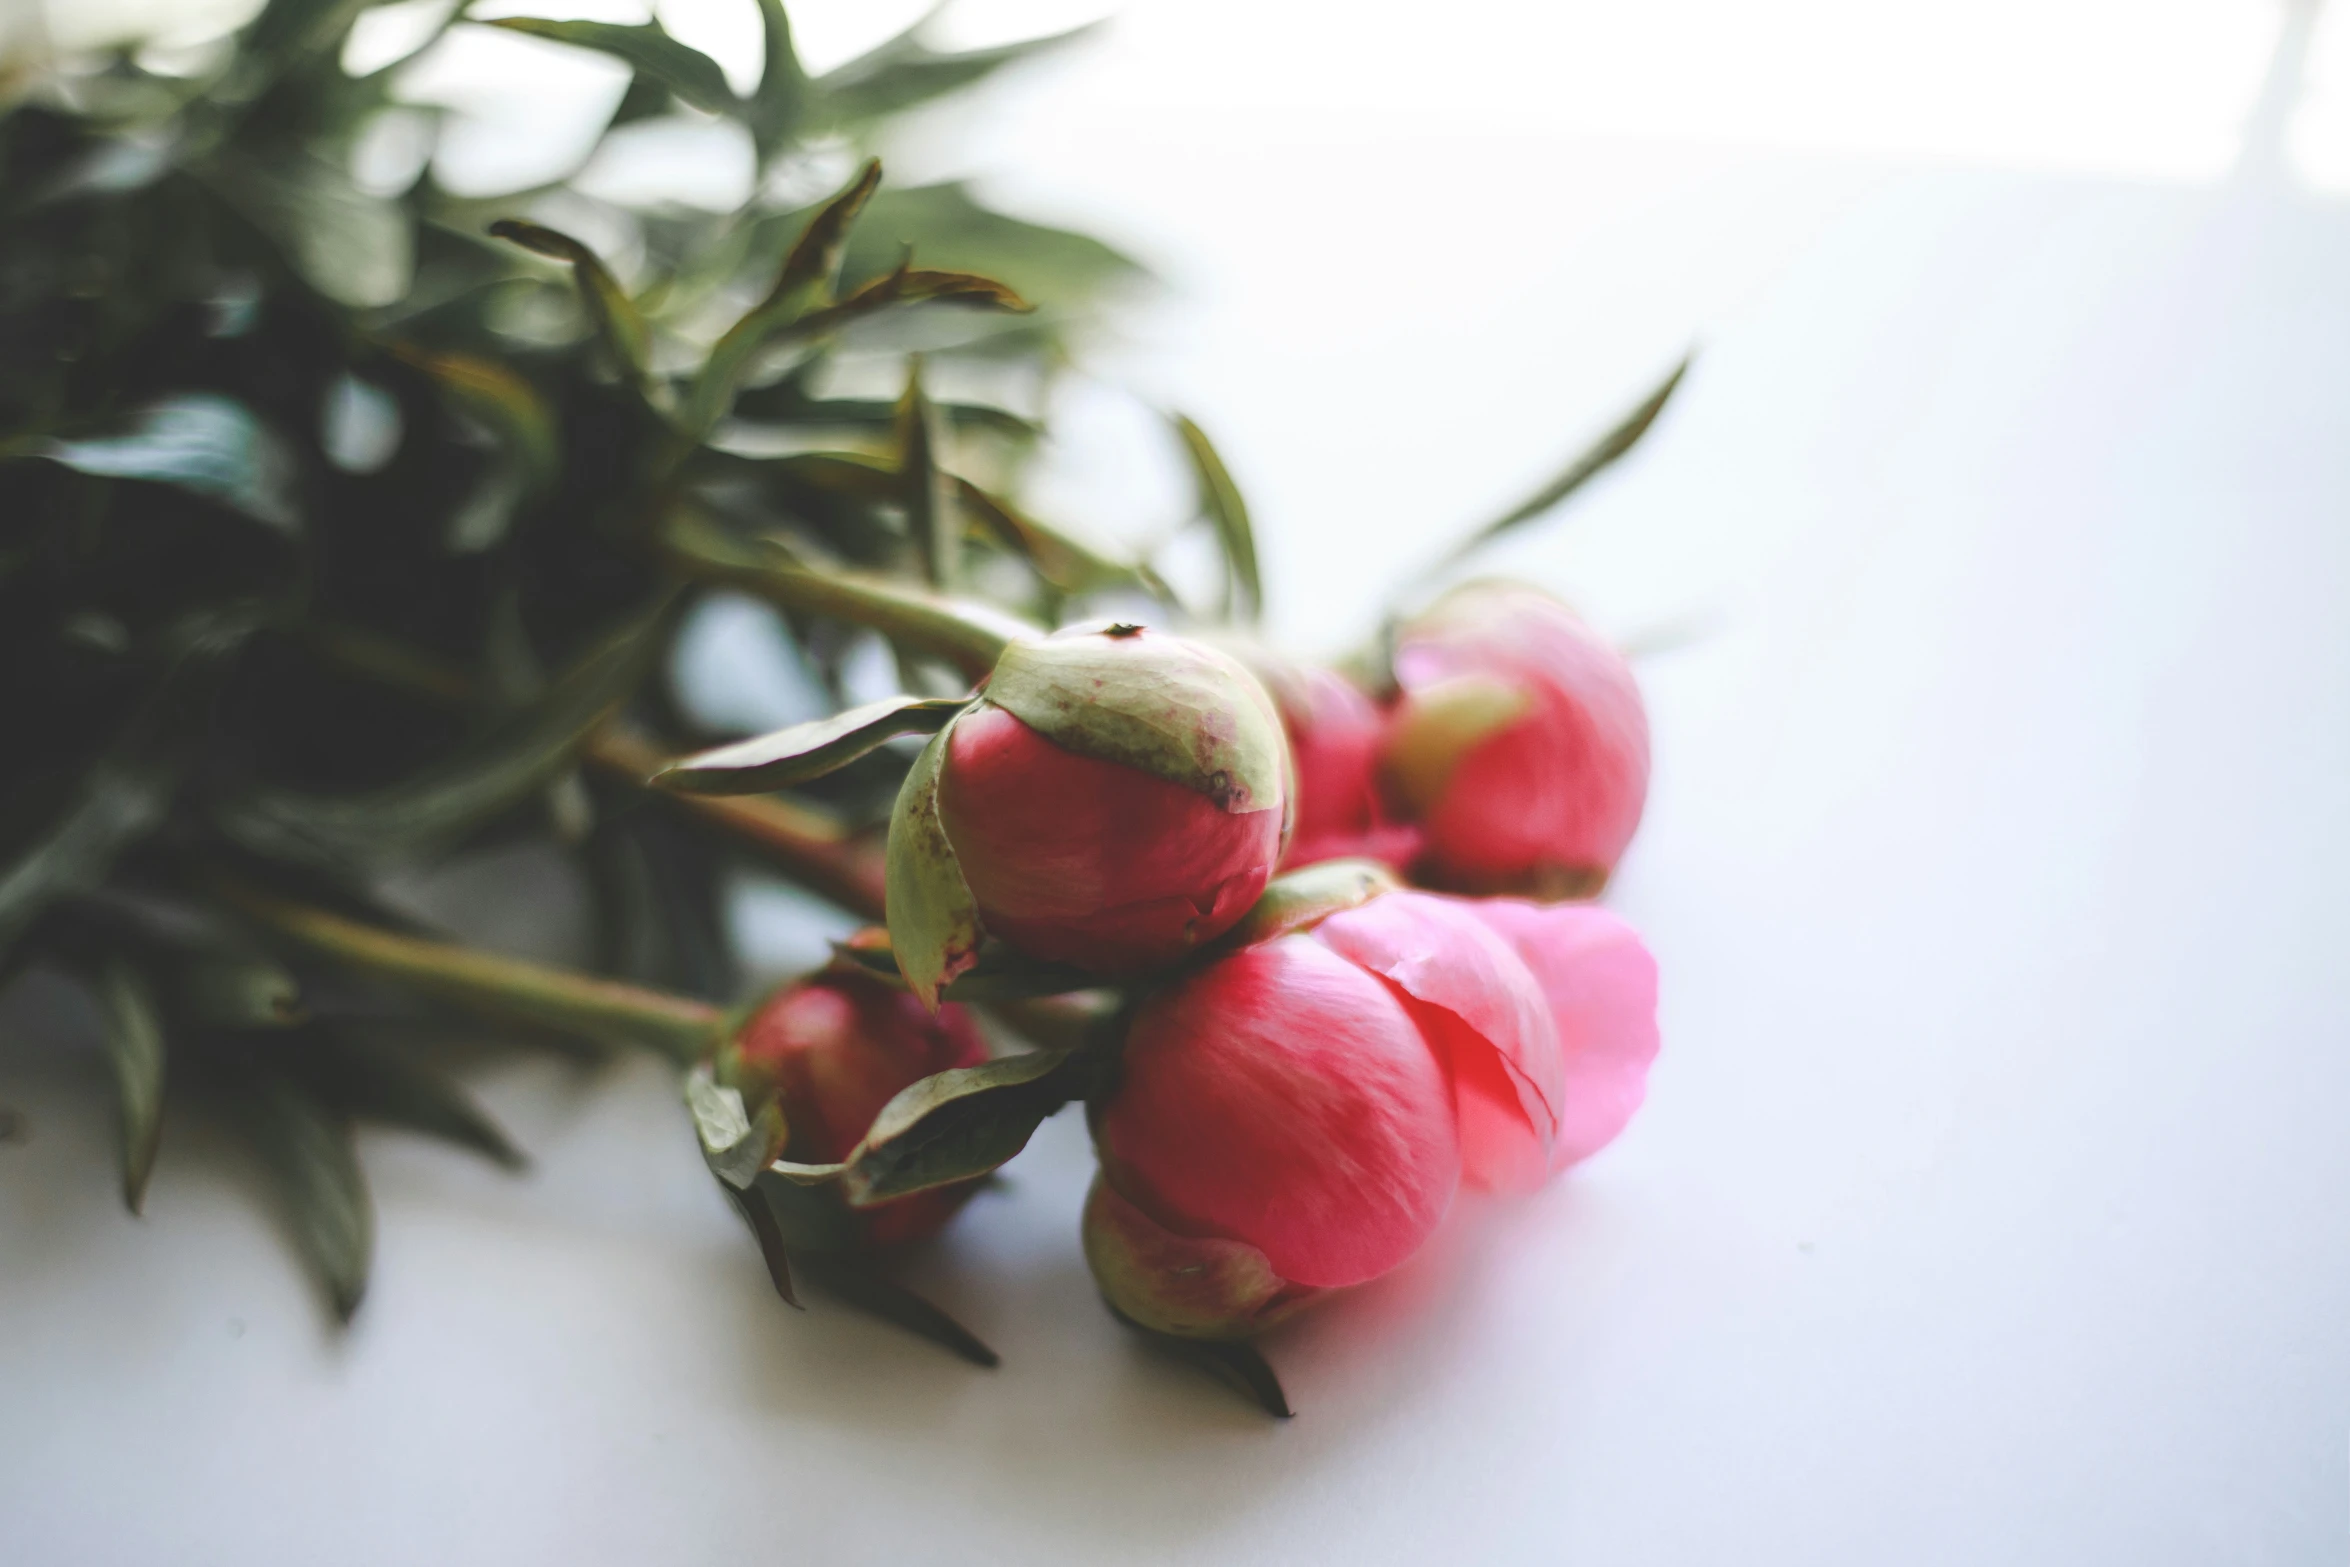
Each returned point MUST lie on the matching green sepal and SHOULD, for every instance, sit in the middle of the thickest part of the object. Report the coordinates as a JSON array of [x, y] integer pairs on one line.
[[1438, 724], [1302, 899], [857, 1282], [735, 1144], [804, 751], [933, 919], [999, 973], [951, 1126], [1164, 705]]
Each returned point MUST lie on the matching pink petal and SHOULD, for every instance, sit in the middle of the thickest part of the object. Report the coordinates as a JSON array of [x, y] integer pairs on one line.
[[1601, 982], [1281, 1097], [1485, 1014]]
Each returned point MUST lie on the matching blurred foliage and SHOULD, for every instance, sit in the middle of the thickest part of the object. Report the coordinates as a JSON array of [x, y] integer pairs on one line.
[[337, 529]]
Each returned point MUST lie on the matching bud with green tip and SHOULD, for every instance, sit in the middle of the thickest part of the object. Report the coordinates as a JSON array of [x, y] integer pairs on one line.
[[1115, 797]]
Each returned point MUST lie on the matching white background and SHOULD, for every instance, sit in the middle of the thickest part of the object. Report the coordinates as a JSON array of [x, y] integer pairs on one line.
[[1989, 1205]]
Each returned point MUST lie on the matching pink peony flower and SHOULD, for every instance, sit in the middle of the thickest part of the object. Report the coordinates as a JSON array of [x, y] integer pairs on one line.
[[1601, 986], [1519, 745], [831, 1051], [1483, 1011], [1281, 1127]]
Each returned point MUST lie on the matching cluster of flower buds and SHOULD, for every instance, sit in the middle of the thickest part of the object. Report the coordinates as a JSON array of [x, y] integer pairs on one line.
[[1304, 1069]]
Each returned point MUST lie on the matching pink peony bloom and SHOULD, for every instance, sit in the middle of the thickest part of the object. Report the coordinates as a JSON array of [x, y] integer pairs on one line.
[[1601, 985], [1519, 745], [1480, 1006], [832, 1050], [1335, 732], [1279, 1100]]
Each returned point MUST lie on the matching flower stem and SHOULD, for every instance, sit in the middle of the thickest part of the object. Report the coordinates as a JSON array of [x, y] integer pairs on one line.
[[498, 986], [968, 635], [810, 848]]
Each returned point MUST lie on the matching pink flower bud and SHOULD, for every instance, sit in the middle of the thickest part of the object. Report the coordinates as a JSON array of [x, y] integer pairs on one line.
[[1144, 824], [1335, 732], [1601, 985], [831, 1051], [1520, 744], [1280, 1100]]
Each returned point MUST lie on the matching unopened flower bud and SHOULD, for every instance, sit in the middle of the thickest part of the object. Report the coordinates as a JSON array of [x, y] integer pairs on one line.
[[831, 1051], [1519, 744], [1335, 732], [1116, 798]]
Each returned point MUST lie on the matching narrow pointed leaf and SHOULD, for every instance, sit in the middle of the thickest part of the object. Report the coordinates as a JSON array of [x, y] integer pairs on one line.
[[774, 110], [225, 989], [922, 488], [201, 442], [374, 1082], [905, 71], [1601, 455], [308, 1150], [809, 750], [960, 1123], [752, 1205], [353, 246], [1235, 1362], [617, 319], [858, 1282], [438, 806], [933, 919], [1066, 562], [804, 283], [135, 1056], [1219, 499], [648, 47]]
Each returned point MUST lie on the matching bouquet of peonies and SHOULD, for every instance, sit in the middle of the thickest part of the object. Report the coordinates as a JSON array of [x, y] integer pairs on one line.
[[348, 522]]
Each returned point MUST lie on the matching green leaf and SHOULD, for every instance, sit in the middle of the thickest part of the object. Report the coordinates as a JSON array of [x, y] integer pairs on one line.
[[1235, 1362], [1220, 499], [961, 1123], [135, 1055], [618, 322], [905, 71], [948, 227], [858, 1282], [647, 46], [809, 750], [1598, 458], [804, 283], [735, 1144], [756, 1213], [1302, 899], [433, 809], [999, 973], [933, 919], [201, 442], [373, 1082], [922, 488], [1068, 563], [511, 409], [1168, 706], [355, 248], [308, 1150], [284, 33], [225, 989], [118, 802], [774, 111]]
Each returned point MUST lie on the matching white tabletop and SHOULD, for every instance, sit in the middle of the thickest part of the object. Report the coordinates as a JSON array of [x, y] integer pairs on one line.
[[1989, 1204]]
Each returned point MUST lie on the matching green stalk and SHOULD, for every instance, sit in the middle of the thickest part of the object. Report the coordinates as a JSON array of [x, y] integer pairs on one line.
[[968, 635], [496, 986]]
